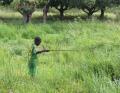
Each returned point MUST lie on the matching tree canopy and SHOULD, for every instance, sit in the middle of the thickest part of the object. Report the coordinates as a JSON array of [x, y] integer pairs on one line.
[[6, 2], [87, 6]]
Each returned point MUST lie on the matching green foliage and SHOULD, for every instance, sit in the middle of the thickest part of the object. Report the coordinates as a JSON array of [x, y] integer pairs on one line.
[[26, 7], [41, 3], [6, 2]]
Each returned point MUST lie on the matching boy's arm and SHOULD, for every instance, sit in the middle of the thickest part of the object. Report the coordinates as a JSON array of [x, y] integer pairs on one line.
[[39, 52]]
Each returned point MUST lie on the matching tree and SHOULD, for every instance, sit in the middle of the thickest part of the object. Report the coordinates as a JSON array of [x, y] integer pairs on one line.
[[117, 2], [88, 6], [6, 2], [41, 3], [26, 8], [60, 5], [102, 4], [91, 6]]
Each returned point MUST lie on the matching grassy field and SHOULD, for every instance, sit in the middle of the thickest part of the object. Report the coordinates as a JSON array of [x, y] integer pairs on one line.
[[95, 68]]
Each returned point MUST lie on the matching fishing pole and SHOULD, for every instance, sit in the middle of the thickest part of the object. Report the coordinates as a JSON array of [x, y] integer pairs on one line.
[[57, 51], [62, 50]]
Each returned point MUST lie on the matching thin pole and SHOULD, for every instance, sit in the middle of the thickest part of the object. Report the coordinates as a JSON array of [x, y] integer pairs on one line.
[[64, 50]]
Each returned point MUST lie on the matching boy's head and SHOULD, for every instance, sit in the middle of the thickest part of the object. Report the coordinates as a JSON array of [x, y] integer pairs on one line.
[[37, 41]]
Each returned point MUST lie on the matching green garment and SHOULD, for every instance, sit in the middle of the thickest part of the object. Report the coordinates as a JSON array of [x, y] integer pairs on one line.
[[33, 61]]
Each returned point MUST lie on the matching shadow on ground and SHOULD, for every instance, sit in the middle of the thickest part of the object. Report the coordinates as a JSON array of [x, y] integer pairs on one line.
[[54, 18]]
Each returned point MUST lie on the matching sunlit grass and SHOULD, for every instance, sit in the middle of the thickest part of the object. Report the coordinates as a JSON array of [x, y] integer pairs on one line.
[[89, 70]]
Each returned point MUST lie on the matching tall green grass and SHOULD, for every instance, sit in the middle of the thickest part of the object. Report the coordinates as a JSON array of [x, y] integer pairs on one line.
[[89, 70]]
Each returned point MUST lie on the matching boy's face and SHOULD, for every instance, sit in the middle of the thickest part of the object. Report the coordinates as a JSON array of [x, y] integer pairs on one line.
[[37, 41]]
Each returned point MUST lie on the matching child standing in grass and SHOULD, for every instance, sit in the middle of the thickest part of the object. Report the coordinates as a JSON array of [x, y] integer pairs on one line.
[[33, 59]]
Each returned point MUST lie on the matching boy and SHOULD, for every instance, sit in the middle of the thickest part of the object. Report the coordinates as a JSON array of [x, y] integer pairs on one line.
[[33, 60]]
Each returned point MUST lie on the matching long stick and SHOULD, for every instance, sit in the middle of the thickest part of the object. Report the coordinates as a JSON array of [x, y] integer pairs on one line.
[[63, 50]]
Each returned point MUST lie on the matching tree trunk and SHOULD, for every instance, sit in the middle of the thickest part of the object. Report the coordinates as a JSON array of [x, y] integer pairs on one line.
[[44, 17], [102, 13], [26, 18], [61, 14], [90, 14], [45, 11]]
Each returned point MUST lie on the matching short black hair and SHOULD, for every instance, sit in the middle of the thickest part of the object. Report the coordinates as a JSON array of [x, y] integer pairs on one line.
[[37, 40]]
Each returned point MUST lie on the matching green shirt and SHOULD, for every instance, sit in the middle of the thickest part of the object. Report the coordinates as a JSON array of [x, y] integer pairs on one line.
[[33, 59]]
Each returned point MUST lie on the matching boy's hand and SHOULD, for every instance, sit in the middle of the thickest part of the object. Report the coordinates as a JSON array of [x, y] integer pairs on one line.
[[39, 52], [46, 50]]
